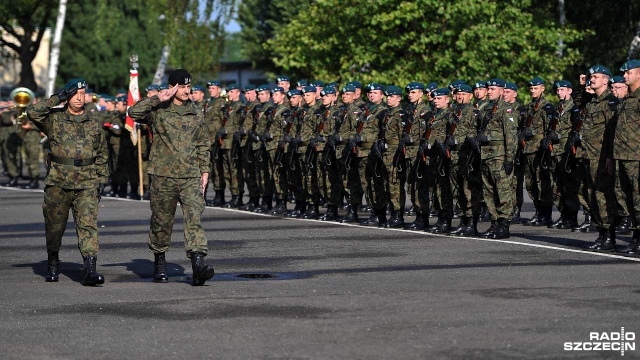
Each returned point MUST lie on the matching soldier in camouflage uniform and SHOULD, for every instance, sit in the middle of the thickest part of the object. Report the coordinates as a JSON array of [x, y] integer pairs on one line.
[[620, 90], [114, 128], [261, 161], [231, 115], [597, 134], [294, 163], [563, 162], [538, 180], [377, 111], [465, 171], [481, 102], [248, 114], [308, 152], [12, 145], [417, 161], [214, 118], [498, 139], [626, 150], [179, 165], [77, 171], [330, 178], [31, 137]]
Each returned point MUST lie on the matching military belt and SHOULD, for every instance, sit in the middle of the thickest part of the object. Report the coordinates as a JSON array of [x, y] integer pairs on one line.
[[536, 137], [366, 145], [393, 142], [71, 161], [493, 143]]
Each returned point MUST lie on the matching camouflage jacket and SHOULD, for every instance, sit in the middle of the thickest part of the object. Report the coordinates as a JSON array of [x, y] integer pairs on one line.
[[115, 131], [501, 130], [467, 125], [371, 129], [566, 112], [272, 130], [213, 116], [349, 126], [597, 126], [247, 115], [541, 112], [79, 155], [309, 125], [626, 142], [419, 114], [180, 147], [262, 116], [232, 112], [391, 127]]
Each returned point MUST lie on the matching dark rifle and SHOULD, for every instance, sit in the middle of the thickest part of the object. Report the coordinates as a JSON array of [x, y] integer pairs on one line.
[[352, 147], [286, 138], [335, 138], [240, 133], [266, 136], [574, 140], [550, 138], [298, 116], [311, 153], [222, 133]]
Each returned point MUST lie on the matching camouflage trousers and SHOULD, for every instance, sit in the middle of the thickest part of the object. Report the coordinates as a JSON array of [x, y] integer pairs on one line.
[[217, 169], [83, 204], [32, 152], [165, 193], [419, 181], [331, 184], [295, 175], [12, 153], [467, 179], [628, 175], [228, 172], [249, 169], [538, 179], [565, 186], [386, 180], [444, 188], [621, 204], [602, 198], [518, 182], [497, 189], [270, 176], [312, 177], [352, 171]]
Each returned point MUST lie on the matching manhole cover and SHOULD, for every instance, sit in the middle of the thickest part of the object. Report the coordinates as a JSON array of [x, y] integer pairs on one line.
[[257, 276]]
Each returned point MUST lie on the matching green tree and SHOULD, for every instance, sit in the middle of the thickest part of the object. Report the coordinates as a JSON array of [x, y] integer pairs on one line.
[[426, 40], [26, 21]]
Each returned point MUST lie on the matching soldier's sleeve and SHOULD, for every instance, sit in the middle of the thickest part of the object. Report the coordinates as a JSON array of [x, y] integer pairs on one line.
[[510, 136], [39, 111], [117, 129], [102, 160], [142, 110], [203, 145]]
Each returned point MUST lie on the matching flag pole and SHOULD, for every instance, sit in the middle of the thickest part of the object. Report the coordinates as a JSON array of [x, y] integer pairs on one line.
[[132, 98]]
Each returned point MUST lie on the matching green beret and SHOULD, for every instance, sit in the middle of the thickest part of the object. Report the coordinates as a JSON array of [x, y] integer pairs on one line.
[[496, 82], [455, 84], [233, 86], [617, 80], [282, 78], [511, 86], [122, 99], [631, 64], [303, 82], [440, 92], [197, 88], [563, 83], [75, 83], [479, 84], [356, 84], [599, 69], [536, 81], [375, 86], [152, 87], [414, 85], [263, 87], [393, 90], [249, 87], [328, 91], [349, 88], [214, 83]]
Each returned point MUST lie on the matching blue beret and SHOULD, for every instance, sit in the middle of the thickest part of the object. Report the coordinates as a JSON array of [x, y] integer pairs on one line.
[[414, 85], [249, 87], [263, 87], [163, 86], [293, 92], [511, 86], [277, 89], [464, 88], [109, 98], [393, 90], [536, 81], [375, 86], [479, 84], [356, 84], [617, 80], [122, 99], [233, 86], [563, 83], [440, 92], [197, 88], [456, 83], [496, 82], [309, 89], [76, 83], [599, 69], [152, 87], [303, 82], [349, 88], [432, 86], [328, 91], [334, 85], [282, 78], [631, 64], [317, 83], [214, 83]]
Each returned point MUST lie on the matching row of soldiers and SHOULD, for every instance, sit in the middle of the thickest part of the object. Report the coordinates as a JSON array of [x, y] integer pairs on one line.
[[463, 147]]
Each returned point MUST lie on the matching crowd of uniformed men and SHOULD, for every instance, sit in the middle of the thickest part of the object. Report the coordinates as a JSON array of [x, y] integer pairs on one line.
[[462, 151]]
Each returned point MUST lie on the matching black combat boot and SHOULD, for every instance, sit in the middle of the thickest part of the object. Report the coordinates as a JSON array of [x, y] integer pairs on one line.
[[122, 191], [419, 222], [490, 231], [632, 249], [134, 193], [365, 208], [609, 243], [267, 204], [558, 224], [372, 219], [145, 193], [91, 277], [397, 219], [13, 182], [233, 203], [516, 219], [351, 216], [602, 234], [585, 226], [114, 190], [444, 228], [312, 212], [485, 216], [534, 219], [410, 211], [570, 221], [295, 212], [472, 227], [33, 184], [201, 272], [502, 231], [218, 199], [624, 226], [53, 267], [160, 268], [382, 217], [281, 207], [331, 214], [463, 224]]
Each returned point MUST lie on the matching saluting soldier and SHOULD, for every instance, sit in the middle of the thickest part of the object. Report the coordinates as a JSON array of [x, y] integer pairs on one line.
[[77, 171], [620, 90]]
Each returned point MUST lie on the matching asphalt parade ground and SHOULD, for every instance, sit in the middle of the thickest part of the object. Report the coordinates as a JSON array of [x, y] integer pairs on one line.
[[306, 289]]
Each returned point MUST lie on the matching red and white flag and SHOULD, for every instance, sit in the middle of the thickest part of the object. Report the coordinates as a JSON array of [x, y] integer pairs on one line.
[[132, 97]]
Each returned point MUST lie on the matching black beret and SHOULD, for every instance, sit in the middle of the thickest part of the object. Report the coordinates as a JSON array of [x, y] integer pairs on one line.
[[179, 77]]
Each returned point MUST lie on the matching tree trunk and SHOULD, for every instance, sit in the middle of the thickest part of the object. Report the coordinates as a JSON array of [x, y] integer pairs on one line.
[[634, 47], [27, 77]]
